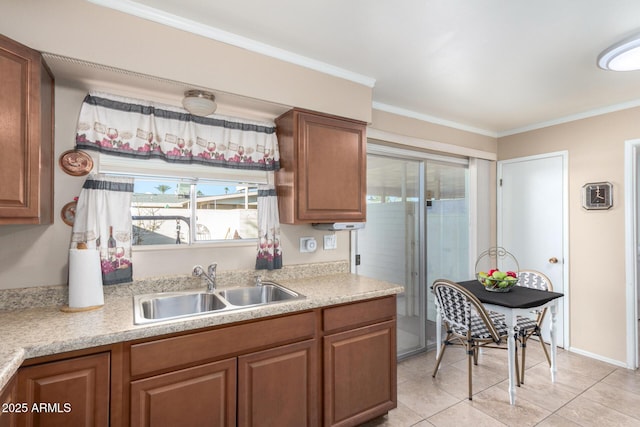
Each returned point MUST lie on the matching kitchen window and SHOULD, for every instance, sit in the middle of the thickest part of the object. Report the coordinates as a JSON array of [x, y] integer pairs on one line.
[[169, 211], [177, 205]]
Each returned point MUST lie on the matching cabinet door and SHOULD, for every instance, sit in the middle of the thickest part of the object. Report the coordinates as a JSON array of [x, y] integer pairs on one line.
[[26, 136], [8, 398], [359, 374], [279, 387], [71, 392], [331, 169], [204, 395]]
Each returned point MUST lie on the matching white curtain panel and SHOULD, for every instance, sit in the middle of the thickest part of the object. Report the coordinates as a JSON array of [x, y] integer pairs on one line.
[[103, 221], [269, 249]]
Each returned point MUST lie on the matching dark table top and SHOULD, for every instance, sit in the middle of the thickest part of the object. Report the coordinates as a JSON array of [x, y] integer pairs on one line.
[[517, 297]]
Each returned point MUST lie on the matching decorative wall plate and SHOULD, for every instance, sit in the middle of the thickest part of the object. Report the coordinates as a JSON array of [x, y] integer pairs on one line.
[[68, 213], [76, 162]]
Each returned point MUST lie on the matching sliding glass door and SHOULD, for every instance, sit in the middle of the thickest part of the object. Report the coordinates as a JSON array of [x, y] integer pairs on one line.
[[447, 234], [416, 231]]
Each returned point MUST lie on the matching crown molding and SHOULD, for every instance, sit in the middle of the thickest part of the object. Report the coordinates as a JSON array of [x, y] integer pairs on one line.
[[572, 118], [161, 17], [431, 119]]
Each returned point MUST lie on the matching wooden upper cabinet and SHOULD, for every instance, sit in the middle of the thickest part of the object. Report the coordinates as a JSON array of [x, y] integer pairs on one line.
[[26, 136], [323, 168]]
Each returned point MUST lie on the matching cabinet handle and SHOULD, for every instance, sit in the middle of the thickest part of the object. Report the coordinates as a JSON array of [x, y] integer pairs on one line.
[[553, 260]]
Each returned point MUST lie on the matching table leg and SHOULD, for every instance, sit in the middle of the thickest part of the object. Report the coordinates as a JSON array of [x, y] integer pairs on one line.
[[438, 331], [511, 347], [552, 334]]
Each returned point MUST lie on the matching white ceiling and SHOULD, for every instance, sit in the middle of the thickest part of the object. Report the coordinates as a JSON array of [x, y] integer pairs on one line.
[[491, 66]]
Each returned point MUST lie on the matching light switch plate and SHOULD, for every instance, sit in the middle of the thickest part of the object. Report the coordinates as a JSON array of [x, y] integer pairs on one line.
[[330, 242]]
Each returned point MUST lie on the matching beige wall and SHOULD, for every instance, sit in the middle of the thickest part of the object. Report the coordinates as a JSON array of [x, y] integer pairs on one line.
[[80, 29], [37, 255], [411, 127], [596, 238]]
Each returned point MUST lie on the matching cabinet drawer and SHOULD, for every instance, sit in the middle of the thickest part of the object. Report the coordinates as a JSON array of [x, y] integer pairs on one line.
[[358, 314], [195, 348]]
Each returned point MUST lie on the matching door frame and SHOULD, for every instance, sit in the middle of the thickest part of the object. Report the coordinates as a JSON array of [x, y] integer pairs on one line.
[[565, 227], [631, 151]]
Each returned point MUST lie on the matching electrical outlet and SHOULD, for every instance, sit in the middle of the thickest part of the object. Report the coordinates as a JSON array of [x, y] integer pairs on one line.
[[330, 242]]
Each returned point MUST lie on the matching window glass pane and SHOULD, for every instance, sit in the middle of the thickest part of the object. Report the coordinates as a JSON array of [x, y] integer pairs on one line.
[[226, 211], [161, 212]]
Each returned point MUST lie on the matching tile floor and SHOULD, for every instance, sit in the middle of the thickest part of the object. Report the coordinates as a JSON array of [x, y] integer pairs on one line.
[[587, 392]]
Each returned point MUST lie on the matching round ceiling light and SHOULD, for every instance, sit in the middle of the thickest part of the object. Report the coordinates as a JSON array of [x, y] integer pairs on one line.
[[623, 56], [199, 102]]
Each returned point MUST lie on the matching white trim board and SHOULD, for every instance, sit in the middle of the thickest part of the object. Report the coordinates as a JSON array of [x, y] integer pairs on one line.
[[631, 149], [426, 144]]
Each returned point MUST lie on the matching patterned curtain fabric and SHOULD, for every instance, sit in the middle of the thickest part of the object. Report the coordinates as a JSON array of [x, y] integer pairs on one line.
[[103, 221], [269, 249], [141, 129]]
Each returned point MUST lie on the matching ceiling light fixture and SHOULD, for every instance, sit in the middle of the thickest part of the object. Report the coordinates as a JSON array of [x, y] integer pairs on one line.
[[199, 102], [623, 56]]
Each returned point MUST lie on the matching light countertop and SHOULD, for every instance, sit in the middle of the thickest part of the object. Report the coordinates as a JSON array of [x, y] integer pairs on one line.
[[32, 332]]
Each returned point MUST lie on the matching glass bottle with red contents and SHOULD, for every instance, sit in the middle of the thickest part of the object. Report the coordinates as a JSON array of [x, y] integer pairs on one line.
[[111, 245]]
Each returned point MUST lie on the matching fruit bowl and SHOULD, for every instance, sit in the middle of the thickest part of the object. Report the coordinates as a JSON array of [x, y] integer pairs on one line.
[[497, 270], [496, 284]]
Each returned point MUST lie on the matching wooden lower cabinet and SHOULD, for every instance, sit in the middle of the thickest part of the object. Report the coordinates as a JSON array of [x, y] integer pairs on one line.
[[333, 366], [257, 373], [8, 400], [279, 387], [70, 392], [204, 395], [359, 374]]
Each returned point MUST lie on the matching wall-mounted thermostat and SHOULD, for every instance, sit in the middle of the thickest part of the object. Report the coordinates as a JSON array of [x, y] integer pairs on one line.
[[308, 244]]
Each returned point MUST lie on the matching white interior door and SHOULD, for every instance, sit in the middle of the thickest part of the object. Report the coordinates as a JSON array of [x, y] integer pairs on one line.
[[532, 220]]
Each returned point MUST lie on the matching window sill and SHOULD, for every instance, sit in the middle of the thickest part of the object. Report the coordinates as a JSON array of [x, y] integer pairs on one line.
[[213, 245]]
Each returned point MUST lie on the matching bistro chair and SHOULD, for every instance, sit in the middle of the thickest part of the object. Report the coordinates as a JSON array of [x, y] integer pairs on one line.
[[527, 327], [467, 322]]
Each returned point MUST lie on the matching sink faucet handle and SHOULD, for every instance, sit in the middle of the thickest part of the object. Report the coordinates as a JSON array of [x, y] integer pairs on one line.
[[258, 280], [197, 271]]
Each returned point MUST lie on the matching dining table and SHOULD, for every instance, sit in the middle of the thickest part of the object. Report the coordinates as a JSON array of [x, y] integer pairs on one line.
[[518, 301]]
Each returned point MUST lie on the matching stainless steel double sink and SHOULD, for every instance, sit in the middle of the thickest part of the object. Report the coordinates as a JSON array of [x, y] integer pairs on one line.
[[163, 306]]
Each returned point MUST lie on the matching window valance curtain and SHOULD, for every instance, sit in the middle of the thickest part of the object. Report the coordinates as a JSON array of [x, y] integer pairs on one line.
[[142, 129]]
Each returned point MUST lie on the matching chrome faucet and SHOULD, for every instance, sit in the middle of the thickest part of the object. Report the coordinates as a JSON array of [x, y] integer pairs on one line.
[[212, 270], [258, 280], [198, 271]]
